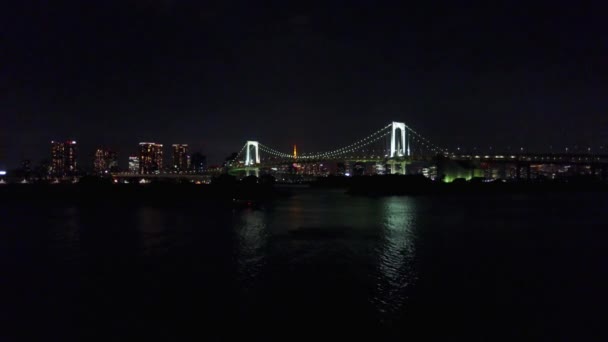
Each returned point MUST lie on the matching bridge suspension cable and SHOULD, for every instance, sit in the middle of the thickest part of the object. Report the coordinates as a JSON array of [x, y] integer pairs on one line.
[[350, 148], [425, 141], [238, 155], [355, 146], [429, 146], [274, 152]]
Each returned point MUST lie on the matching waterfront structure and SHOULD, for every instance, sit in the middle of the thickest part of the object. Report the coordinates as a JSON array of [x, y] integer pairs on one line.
[[150, 157], [358, 169], [70, 157], [133, 164], [379, 168], [57, 160], [181, 159], [105, 161], [393, 149], [343, 169], [63, 158], [304, 169]]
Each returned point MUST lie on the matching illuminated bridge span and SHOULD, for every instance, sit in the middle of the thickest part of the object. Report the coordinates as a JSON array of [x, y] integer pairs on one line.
[[391, 148], [395, 144], [537, 158]]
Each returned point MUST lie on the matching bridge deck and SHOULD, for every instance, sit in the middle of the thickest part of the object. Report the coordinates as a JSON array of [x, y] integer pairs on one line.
[[536, 158]]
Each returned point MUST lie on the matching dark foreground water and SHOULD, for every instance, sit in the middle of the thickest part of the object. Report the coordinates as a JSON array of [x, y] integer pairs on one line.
[[319, 265]]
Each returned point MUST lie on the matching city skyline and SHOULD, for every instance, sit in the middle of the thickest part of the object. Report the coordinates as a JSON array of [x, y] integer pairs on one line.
[[123, 161], [389, 149], [277, 170], [64, 156], [216, 75]]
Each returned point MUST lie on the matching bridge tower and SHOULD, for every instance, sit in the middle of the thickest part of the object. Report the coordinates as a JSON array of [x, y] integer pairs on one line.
[[400, 148], [399, 141], [252, 157]]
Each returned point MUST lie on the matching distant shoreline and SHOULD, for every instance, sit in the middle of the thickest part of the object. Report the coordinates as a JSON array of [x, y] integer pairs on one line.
[[226, 194]]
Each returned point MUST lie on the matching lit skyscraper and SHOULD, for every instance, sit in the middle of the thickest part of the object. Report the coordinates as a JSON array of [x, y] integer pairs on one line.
[[99, 163], [133, 164], [57, 160], [105, 160], [181, 158], [150, 157], [70, 156], [63, 158]]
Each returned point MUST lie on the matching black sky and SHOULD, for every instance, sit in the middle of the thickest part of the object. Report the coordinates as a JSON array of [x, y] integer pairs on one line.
[[216, 74]]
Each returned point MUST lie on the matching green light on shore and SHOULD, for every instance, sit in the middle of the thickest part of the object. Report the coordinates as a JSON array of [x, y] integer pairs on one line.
[[450, 179], [466, 174]]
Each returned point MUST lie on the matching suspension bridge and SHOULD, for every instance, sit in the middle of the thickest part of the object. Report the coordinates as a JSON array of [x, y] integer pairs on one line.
[[392, 148], [395, 145]]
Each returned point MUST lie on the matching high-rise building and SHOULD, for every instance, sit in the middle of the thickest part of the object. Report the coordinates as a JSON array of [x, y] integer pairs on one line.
[[99, 163], [112, 161], [181, 159], [133, 164], [57, 159], [63, 158], [150, 157], [105, 160], [70, 156], [198, 162]]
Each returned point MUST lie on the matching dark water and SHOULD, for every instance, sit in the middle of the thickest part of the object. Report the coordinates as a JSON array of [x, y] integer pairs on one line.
[[320, 265]]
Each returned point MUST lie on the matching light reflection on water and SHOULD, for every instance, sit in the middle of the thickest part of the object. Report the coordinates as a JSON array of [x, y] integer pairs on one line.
[[251, 231], [308, 258], [366, 240], [311, 235], [396, 253]]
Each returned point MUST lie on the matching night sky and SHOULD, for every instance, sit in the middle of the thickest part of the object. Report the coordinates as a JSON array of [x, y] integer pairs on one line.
[[213, 75]]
